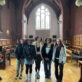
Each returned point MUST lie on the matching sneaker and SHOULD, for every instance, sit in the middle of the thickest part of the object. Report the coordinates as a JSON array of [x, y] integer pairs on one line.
[[58, 81], [30, 76], [48, 77], [38, 76], [16, 77], [27, 78], [20, 77]]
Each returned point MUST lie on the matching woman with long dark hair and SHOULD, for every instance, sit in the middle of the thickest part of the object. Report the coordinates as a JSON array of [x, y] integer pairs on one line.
[[47, 52], [59, 58]]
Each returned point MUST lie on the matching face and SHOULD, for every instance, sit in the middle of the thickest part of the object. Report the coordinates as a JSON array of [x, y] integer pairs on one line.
[[39, 39], [58, 42], [48, 41], [21, 41]]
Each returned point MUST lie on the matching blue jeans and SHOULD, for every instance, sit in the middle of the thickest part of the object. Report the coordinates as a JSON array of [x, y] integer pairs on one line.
[[19, 66], [47, 68]]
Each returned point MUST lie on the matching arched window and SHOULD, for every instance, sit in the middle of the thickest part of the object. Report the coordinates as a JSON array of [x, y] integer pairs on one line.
[[42, 18]]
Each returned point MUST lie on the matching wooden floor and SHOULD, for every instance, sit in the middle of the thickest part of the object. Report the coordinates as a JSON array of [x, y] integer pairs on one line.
[[71, 74]]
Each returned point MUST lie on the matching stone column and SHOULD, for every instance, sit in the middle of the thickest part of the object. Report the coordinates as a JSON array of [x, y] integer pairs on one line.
[[0, 18], [0, 22]]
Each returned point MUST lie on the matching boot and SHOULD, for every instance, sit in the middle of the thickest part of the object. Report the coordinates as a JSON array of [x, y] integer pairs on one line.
[[20, 77], [17, 76], [38, 76], [27, 78]]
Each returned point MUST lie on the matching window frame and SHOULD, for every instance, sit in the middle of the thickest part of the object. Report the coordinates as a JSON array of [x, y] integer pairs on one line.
[[39, 13]]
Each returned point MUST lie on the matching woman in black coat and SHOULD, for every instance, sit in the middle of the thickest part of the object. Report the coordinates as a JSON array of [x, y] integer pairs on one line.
[[29, 53], [47, 52], [19, 59]]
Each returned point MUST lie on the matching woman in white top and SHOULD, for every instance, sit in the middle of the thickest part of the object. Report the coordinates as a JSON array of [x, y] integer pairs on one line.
[[47, 52]]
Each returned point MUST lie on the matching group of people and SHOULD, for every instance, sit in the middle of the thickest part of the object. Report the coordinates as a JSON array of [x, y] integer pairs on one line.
[[28, 51]]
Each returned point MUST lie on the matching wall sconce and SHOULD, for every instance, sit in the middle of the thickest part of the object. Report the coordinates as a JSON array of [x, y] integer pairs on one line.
[[2, 2], [8, 32]]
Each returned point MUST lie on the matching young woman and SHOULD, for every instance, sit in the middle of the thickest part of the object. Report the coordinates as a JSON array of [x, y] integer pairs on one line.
[[19, 59], [38, 58], [47, 52], [29, 52], [59, 58]]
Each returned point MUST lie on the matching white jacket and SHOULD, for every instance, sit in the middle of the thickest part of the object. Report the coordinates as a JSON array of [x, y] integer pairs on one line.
[[62, 56]]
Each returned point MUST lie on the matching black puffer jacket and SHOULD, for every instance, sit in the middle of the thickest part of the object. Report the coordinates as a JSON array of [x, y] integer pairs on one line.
[[29, 52], [19, 52]]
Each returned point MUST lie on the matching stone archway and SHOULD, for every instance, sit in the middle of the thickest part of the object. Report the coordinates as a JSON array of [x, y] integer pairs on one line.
[[55, 6], [64, 10]]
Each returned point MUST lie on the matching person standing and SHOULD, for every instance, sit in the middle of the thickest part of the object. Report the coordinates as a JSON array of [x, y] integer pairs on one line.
[[47, 52], [38, 58], [19, 59], [29, 52], [59, 58]]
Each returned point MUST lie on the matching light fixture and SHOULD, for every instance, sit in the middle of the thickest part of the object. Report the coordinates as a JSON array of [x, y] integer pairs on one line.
[[78, 3], [2, 2], [8, 32]]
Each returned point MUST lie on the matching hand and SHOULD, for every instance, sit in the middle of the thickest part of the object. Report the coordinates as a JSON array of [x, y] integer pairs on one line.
[[52, 60], [18, 58], [46, 59], [61, 63]]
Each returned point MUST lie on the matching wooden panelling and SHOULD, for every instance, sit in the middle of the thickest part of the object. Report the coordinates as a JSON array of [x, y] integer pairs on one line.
[[71, 73], [5, 42], [77, 41]]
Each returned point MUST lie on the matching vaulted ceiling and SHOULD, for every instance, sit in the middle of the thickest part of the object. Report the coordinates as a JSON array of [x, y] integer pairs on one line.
[[56, 5], [51, 3], [26, 6]]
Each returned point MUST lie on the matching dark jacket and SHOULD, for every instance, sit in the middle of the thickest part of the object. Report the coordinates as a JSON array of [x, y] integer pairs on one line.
[[44, 54], [29, 52], [19, 51]]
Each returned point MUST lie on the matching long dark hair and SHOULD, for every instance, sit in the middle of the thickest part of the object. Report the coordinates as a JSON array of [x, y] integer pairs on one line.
[[61, 43], [50, 40]]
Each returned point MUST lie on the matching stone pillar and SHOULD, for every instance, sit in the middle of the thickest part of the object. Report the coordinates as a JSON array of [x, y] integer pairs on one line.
[[0, 18], [0, 23]]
